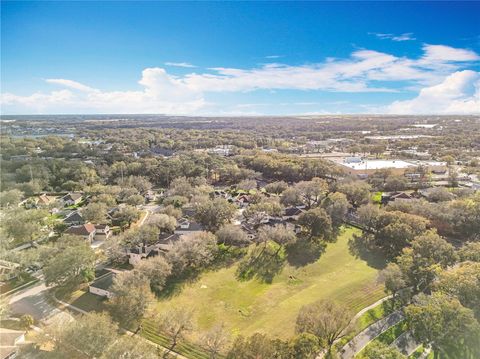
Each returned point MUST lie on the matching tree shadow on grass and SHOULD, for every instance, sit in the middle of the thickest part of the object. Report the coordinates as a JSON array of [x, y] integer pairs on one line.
[[263, 263], [361, 247], [175, 285], [225, 257], [304, 252], [388, 307]]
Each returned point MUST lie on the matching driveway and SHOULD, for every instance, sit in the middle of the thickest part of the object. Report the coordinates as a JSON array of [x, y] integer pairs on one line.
[[150, 209], [33, 301], [367, 335]]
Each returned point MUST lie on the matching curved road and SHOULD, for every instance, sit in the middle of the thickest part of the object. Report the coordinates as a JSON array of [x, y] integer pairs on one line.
[[367, 335], [406, 343]]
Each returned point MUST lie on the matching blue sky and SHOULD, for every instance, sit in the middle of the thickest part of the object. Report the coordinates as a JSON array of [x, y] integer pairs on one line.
[[240, 58]]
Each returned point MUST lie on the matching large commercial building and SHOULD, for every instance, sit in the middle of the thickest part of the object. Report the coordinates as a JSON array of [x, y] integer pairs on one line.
[[364, 167]]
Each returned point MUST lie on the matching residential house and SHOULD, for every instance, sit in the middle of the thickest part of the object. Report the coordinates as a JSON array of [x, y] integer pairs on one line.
[[112, 211], [9, 341], [72, 198], [150, 195], [220, 193], [87, 231], [395, 196], [102, 232], [8, 270], [102, 286], [186, 226], [242, 201], [292, 213], [166, 241], [137, 253], [402, 196], [224, 151], [44, 200], [74, 218], [189, 212], [475, 186], [274, 221]]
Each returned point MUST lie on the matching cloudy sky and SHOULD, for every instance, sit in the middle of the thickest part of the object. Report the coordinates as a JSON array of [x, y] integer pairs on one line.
[[240, 58]]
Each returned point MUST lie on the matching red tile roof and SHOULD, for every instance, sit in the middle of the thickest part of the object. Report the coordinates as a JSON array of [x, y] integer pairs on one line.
[[82, 230]]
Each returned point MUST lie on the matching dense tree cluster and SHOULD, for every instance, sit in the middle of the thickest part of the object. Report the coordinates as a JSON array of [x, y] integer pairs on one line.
[[391, 230], [260, 180], [459, 218]]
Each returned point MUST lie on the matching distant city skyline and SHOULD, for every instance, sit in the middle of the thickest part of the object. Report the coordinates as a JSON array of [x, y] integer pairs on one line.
[[240, 58]]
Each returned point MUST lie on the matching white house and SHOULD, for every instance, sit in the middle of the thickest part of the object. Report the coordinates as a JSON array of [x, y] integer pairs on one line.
[[102, 231], [102, 285]]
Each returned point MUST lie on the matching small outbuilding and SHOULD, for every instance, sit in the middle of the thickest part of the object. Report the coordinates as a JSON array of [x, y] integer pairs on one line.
[[102, 285]]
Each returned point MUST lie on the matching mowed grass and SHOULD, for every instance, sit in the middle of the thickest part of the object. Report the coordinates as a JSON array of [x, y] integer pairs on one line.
[[251, 306]]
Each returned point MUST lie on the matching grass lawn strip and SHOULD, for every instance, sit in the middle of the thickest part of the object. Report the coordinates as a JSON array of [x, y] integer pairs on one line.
[[192, 351], [387, 337], [366, 319]]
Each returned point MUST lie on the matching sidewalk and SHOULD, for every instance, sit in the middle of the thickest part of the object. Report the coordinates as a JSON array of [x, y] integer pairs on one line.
[[406, 343], [361, 340]]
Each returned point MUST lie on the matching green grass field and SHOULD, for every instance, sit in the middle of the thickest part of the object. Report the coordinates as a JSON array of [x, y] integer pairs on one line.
[[252, 306]]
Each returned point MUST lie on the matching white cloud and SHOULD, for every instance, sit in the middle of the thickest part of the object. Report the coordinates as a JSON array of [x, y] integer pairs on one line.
[[40, 101], [407, 36], [459, 93], [180, 64], [162, 93], [70, 84], [364, 71], [273, 56], [442, 53]]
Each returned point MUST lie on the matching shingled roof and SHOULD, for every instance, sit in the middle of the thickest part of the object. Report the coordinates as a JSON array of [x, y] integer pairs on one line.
[[81, 230]]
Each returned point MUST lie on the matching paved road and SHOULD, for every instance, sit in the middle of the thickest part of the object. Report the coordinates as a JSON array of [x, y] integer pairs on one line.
[[368, 334], [321, 355], [406, 343], [33, 301]]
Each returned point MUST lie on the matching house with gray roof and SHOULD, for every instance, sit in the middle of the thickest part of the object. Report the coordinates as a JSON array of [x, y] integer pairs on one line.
[[102, 285]]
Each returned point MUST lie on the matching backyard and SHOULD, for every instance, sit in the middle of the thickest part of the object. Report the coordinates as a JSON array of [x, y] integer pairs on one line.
[[252, 306]]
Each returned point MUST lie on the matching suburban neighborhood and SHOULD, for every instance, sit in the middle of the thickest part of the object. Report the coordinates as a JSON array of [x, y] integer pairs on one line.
[[259, 228], [239, 180]]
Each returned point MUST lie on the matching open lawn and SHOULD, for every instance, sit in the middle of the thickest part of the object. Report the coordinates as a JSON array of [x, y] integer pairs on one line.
[[252, 306]]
